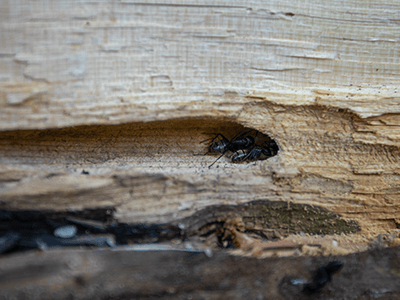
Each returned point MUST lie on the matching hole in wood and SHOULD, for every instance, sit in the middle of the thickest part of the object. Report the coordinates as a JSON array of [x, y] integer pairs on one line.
[[153, 145]]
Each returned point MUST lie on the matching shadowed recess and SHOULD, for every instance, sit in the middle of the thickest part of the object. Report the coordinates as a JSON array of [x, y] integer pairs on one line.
[[131, 143]]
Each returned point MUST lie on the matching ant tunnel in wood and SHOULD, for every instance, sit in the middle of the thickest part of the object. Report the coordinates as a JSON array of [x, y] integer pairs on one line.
[[153, 145], [168, 162]]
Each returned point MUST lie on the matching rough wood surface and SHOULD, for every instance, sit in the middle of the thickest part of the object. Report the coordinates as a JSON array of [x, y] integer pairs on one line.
[[320, 78], [65, 64], [157, 172], [108, 274]]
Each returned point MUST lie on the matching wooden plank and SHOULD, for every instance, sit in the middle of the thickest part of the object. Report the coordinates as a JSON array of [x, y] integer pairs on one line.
[[67, 64], [111, 274]]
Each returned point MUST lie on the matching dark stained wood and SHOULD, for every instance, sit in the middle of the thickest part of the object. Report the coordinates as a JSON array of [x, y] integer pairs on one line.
[[110, 274]]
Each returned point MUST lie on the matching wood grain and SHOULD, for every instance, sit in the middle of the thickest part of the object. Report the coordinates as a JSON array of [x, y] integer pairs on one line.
[[157, 171], [67, 64], [128, 90], [108, 274]]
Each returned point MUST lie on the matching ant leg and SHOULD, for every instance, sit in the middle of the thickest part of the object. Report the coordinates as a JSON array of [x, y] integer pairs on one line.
[[216, 160], [241, 134], [252, 155], [212, 139], [236, 136], [250, 131], [248, 156]]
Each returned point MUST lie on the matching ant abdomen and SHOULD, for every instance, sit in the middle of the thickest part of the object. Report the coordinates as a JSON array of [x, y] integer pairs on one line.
[[248, 155], [242, 142]]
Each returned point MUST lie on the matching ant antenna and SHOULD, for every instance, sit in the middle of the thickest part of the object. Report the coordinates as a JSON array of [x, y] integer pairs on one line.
[[212, 139], [216, 160]]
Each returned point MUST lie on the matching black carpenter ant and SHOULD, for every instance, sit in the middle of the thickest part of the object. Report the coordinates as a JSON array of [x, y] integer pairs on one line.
[[265, 151], [220, 144]]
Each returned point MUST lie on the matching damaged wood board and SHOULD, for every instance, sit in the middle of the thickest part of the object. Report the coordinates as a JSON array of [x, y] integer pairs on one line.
[[257, 229], [157, 172], [110, 274]]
